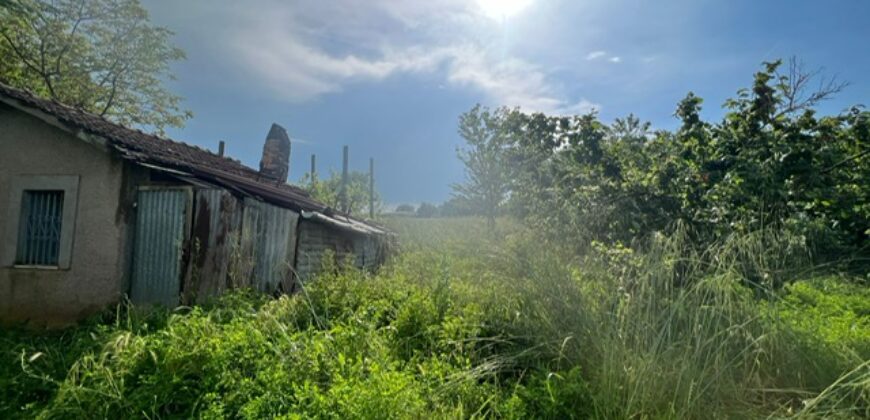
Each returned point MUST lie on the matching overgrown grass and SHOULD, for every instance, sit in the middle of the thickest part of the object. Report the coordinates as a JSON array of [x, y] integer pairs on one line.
[[470, 323]]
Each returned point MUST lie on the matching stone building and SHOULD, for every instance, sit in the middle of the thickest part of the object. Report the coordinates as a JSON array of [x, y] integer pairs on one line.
[[91, 212]]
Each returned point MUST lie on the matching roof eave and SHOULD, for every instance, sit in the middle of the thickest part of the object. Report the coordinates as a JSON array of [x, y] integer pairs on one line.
[[89, 138]]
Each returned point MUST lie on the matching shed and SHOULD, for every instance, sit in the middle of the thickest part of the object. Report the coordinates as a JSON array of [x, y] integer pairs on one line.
[[93, 211]]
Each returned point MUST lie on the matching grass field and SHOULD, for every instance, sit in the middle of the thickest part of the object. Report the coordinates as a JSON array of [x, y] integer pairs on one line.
[[464, 322]]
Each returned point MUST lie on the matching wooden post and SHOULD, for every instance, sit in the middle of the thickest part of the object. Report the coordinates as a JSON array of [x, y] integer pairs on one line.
[[371, 188], [344, 180], [313, 172], [221, 146]]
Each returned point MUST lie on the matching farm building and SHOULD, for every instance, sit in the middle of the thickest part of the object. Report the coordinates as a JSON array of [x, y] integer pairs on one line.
[[91, 211]]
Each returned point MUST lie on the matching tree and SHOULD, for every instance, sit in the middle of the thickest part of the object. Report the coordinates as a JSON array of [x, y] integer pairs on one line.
[[455, 207], [103, 56], [328, 191], [796, 87], [427, 210], [771, 162], [405, 208], [486, 186]]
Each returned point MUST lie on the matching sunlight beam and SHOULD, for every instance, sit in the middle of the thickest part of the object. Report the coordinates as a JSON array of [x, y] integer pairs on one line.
[[502, 9]]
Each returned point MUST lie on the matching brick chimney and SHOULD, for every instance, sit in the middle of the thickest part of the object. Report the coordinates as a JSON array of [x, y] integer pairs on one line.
[[275, 163]]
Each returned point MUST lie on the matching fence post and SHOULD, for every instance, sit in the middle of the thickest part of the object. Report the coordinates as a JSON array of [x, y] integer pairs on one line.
[[344, 180], [371, 188]]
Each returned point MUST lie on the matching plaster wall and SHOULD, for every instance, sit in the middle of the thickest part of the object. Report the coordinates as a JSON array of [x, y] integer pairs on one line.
[[94, 279]]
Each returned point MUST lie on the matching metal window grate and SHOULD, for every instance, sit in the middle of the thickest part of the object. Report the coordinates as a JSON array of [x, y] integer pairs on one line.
[[39, 229]]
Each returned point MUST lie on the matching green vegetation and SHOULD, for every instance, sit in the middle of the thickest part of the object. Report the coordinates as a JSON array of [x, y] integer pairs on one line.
[[771, 163], [470, 323], [328, 191], [427, 210], [104, 56]]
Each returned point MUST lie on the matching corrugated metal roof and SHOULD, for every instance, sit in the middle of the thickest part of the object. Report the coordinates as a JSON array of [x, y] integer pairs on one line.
[[346, 223]]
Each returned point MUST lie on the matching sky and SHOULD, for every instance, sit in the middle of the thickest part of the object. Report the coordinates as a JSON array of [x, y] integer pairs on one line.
[[389, 78]]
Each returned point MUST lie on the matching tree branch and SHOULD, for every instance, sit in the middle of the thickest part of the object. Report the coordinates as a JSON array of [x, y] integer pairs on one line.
[[18, 52], [69, 41], [845, 161], [794, 88]]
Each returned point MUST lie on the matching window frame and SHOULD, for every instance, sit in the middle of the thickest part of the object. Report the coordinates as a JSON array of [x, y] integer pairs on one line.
[[39, 224], [69, 184]]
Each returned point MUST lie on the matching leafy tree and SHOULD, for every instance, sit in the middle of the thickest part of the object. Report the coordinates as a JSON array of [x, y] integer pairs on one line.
[[455, 207], [328, 191], [770, 162], [486, 186], [427, 210], [405, 208], [100, 55]]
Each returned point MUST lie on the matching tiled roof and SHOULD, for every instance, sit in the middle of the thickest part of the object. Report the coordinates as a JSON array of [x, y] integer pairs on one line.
[[138, 146]]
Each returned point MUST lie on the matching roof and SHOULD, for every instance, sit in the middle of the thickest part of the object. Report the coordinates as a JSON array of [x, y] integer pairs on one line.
[[150, 150]]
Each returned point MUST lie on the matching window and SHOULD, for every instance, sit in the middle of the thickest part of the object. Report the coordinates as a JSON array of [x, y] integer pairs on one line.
[[38, 216], [39, 230]]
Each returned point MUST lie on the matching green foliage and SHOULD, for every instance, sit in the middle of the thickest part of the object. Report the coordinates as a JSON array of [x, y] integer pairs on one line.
[[328, 191], [104, 56], [834, 312], [466, 324], [557, 396], [770, 163], [486, 186], [427, 210], [456, 207]]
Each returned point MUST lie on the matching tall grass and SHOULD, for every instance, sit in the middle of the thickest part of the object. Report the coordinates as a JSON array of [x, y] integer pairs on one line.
[[664, 329], [466, 322]]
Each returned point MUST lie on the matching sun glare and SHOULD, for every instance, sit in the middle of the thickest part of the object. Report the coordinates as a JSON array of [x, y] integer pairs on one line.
[[502, 9]]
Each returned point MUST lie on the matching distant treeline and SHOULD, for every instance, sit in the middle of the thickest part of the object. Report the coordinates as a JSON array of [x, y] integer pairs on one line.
[[454, 207]]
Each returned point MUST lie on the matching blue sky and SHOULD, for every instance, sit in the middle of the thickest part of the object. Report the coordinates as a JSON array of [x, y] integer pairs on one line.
[[389, 78]]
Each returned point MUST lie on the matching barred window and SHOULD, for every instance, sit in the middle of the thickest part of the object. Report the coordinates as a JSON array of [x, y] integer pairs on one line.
[[39, 228]]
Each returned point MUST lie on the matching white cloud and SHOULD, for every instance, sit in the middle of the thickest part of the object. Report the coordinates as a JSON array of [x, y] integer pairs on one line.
[[594, 55], [511, 82], [582, 107], [299, 72], [316, 48]]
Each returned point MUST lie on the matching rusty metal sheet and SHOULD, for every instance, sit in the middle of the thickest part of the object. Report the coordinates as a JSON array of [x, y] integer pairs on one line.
[[214, 236], [270, 234], [243, 263]]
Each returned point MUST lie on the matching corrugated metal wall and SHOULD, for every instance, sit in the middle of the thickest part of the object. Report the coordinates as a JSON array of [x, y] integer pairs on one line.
[[161, 229], [269, 232], [243, 264], [216, 227], [233, 244]]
